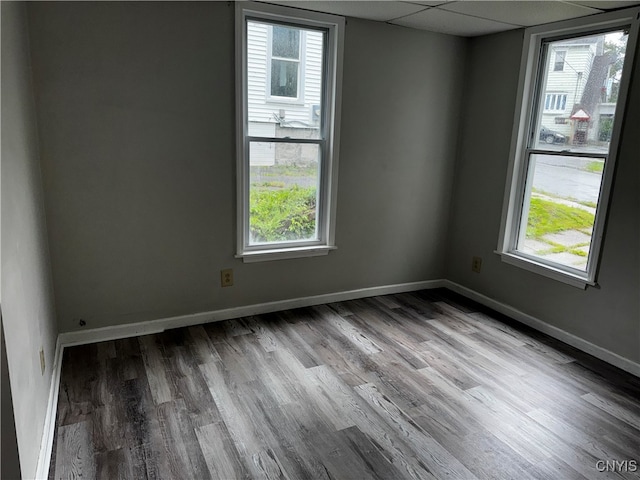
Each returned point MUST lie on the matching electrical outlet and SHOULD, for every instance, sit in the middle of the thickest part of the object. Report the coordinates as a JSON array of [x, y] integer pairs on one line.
[[226, 277], [476, 264], [42, 364]]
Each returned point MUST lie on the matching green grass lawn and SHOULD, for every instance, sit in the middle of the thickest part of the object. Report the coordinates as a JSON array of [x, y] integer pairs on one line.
[[564, 197], [282, 214], [597, 166], [549, 217]]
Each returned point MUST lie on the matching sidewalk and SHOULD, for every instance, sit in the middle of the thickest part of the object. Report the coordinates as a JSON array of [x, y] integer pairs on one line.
[[569, 247]]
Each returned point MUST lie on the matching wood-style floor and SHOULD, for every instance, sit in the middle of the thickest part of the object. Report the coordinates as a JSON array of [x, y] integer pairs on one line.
[[424, 385]]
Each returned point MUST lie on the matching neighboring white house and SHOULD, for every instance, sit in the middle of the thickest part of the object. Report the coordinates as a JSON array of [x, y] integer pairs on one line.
[[568, 71], [284, 78], [578, 79]]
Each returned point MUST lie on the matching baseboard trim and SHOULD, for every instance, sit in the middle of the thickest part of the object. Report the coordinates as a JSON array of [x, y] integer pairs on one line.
[[46, 445], [155, 326], [555, 332]]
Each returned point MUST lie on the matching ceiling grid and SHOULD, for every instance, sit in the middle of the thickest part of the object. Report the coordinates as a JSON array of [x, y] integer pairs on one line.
[[467, 18]]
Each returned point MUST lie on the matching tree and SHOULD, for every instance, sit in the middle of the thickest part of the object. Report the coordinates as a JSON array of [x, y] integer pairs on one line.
[[616, 50]]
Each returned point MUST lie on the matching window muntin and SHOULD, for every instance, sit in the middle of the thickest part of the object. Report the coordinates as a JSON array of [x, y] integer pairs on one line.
[[287, 150], [563, 159]]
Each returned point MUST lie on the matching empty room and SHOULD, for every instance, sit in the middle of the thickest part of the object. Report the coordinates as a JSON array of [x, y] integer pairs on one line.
[[333, 240]]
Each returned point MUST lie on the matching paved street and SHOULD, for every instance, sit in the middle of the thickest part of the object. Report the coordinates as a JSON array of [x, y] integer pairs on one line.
[[567, 177]]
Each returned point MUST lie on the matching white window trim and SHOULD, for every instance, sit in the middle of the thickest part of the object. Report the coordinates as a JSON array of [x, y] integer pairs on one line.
[[525, 109], [299, 99], [330, 111]]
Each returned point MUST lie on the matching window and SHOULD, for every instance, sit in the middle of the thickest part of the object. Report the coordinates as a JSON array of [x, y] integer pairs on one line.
[[285, 61], [561, 172], [555, 102], [288, 139], [558, 65]]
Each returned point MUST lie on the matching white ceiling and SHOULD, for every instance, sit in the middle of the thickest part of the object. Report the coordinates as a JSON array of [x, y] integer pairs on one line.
[[467, 18]]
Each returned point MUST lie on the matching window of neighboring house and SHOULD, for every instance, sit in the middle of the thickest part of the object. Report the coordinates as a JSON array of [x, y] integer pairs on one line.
[[555, 102], [287, 150], [561, 174], [285, 61], [558, 65]]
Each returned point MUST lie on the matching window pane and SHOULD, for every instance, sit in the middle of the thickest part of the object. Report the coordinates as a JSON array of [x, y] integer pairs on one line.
[[283, 191], [559, 63], [579, 92], [559, 208], [284, 78], [286, 42], [284, 95]]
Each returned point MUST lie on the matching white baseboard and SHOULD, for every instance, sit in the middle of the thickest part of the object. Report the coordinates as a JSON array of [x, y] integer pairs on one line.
[[83, 337], [46, 445], [555, 332]]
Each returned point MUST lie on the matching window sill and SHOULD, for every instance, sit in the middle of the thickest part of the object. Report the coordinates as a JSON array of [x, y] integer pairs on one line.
[[284, 253], [545, 270], [286, 100]]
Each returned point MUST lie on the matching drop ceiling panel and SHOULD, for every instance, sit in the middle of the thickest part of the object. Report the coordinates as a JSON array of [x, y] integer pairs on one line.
[[466, 18], [370, 10], [437, 20], [523, 13]]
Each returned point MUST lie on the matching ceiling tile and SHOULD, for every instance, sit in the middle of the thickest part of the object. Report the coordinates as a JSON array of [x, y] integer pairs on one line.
[[437, 20], [524, 13], [605, 4], [370, 10]]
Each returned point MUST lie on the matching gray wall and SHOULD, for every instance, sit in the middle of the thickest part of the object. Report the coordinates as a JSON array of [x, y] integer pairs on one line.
[[9, 457], [27, 297], [609, 316], [136, 115]]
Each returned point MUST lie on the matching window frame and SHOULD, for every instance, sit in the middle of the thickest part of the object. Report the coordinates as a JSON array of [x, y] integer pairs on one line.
[[329, 132], [531, 73]]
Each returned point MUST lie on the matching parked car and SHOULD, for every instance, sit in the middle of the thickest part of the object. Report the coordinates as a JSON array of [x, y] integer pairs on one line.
[[551, 136]]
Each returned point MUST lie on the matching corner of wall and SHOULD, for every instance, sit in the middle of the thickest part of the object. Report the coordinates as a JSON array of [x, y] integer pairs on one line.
[[29, 322]]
